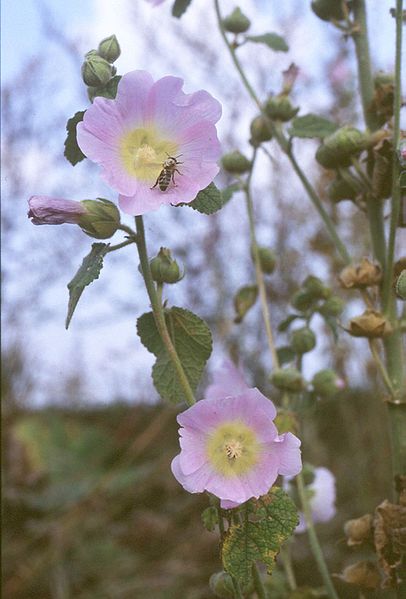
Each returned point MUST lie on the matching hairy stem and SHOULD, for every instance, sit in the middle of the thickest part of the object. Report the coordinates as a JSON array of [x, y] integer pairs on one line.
[[314, 542], [158, 312], [258, 270], [284, 145], [118, 246]]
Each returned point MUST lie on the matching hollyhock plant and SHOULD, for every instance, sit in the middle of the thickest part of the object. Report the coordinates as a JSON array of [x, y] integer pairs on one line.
[[134, 136], [45, 210], [230, 445]]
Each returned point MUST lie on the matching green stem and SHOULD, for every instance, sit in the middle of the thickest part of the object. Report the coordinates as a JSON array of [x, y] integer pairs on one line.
[[376, 229], [288, 566], [314, 542], [284, 145], [258, 270], [118, 246], [258, 584], [381, 367], [158, 312]]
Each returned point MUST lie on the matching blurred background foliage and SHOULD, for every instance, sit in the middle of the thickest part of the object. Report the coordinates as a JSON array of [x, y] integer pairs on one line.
[[90, 508]]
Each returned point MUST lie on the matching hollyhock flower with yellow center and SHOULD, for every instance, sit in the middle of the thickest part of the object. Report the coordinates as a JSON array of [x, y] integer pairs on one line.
[[229, 443], [133, 136]]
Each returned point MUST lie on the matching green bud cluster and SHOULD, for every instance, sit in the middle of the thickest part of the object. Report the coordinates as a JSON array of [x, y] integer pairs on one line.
[[101, 220], [341, 189], [267, 259], [97, 70], [287, 379], [302, 340], [236, 22], [244, 299], [328, 9], [260, 130], [164, 269], [280, 108], [338, 148], [235, 163], [326, 383]]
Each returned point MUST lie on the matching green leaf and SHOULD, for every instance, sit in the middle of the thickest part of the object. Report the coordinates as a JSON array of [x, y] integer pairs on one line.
[[210, 518], [285, 324], [72, 151], [268, 522], [179, 7], [228, 192], [208, 201], [87, 273], [285, 354], [193, 343], [311, 125], [272, 40]]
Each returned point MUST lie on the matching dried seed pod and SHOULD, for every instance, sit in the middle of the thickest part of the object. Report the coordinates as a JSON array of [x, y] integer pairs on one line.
[[370, 324], [359, 276]]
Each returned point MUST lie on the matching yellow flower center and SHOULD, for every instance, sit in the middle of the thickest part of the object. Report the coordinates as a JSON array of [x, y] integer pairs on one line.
[[233, 448], [143, 152]]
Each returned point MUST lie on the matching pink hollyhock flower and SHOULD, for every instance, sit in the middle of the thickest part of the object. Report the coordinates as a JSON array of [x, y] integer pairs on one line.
[[230, 445], [44, 210], [134, 136]]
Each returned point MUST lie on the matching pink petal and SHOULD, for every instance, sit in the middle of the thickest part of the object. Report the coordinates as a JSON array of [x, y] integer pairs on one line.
[[227, 380], [204, 105], [287, 447], [193, 454], [132, 98]]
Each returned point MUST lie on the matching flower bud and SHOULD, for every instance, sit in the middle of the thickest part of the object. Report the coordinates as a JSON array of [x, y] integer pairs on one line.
[[302, 300], [164, 268], [340, 189], [333, 306], [108, 91], [289, 78], [370, 324], [338, 148], [316, 288], [267, 259], [221, 584], [328, 9], [44, 210], [236, 22], [363, 574], [96, 71], [358, 530], [260, 130], [109, 49], [401, 285], [235, 163], [287, 379], [302, 340], [359, 276], [244, 299], [101, 219], [326, 383], [279, 108]]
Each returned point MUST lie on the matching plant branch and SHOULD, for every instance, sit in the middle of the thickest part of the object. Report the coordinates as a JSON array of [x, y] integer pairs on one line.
[[118, 246], [158, 312]]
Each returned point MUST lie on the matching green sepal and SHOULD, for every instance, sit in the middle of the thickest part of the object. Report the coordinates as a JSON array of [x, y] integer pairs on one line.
[[193, 342], [88, 272], [72, 151], [266, 524], [274, 41], [311, 125]]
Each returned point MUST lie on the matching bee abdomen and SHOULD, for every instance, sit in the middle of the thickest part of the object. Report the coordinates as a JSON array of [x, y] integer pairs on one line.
[[164, 179]]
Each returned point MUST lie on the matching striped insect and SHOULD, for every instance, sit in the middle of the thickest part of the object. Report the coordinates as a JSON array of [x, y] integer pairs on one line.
[[167, 174]]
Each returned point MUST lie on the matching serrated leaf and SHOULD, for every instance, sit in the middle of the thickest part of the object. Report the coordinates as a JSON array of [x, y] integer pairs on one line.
[[272, 40], [268, 522], [193, 342], [311, 125], [285, 324], [72, 151], [208, 201], [87, 273], [179, 7], [285, 355]]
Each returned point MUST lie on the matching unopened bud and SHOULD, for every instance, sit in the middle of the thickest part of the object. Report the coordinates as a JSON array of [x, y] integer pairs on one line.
[[401, 285], [287, 379], [244, 299], [235, 163], [45, 210], [164, 268], [267, 259], [109, 49], [260, 130], [316, 287], [358, 530], [302, 300], [333, 306], [363, 574], [221, 584], [328, 9], [326, 383], [236, 22], [370, 324], [101, 220], [96, 71], [108, 91], [359, 276], [338, 148], [302, 340], [279, 108]]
